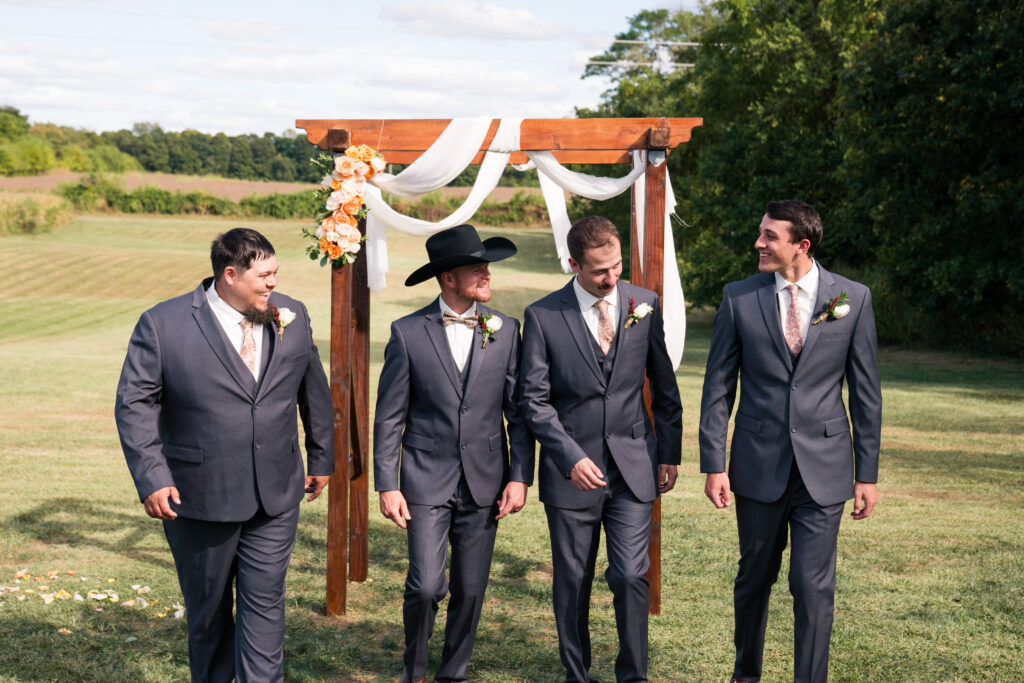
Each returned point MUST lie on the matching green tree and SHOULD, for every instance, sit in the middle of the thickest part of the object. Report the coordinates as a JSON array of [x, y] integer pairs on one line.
[[935, 126], [13, 124]]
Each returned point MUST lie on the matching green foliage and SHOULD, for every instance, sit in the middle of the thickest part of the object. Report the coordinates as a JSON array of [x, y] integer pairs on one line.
[[934, 109], [26, 156], [30, 217], [13, 124], [279, 205]]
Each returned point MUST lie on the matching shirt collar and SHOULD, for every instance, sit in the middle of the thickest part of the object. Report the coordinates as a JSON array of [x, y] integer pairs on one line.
[[808, 283], [445, 308], [223, 309], [587, 300]]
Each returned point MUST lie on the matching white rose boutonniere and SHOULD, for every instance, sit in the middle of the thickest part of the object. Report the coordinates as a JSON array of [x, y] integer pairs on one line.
[[283, 317], [489, 325], [834, 309], [637, 313]]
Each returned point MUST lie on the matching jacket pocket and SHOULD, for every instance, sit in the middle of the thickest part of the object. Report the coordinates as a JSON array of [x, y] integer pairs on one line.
[[183, 453], [417, 441], [494, 442], [748, 423], [639, 430], [837, 426]]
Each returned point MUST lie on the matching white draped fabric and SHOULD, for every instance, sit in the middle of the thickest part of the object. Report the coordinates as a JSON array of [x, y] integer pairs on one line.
[[452, 152]]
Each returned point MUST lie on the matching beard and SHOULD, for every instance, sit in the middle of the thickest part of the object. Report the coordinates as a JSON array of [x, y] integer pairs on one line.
[[257, 317]]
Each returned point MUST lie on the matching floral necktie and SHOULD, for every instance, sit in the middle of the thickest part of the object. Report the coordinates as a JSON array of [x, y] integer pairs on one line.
[[605, 329], [793, 337], [248, 349]]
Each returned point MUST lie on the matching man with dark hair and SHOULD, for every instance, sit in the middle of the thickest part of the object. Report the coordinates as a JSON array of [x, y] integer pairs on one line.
[[795, 333], [586, 351], [441, 462], [206, 414]]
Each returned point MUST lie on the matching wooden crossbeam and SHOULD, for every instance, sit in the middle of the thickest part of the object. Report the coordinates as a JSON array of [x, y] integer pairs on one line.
[[572, 141]]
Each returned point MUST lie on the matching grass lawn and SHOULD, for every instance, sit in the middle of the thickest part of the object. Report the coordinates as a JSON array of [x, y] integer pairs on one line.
[[931, 587]]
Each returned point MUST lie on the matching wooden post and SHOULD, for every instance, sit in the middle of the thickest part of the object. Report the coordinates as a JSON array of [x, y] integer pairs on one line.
[[648, 273], [341, 395]]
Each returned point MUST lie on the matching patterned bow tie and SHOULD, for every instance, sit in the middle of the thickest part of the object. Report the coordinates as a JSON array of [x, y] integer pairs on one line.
[[452, 319]]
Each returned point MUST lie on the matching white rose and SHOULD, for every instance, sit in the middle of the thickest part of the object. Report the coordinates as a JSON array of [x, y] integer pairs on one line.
[[642, 311], [326, 182], [494, 324], [286, 316], [840, 310], [378, 164]]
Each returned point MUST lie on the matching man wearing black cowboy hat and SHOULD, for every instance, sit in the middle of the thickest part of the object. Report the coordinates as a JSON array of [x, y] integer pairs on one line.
[[441, 461]]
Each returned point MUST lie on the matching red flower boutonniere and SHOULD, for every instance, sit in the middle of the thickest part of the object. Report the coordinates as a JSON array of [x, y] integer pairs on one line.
[[489, 325], [283, 317], [834, 309], [637, 313]]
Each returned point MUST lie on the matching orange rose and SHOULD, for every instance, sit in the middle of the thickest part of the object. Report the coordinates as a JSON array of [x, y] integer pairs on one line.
[[326, 244], [334, 252], [353, 153], [341, 218], [352, 207], [366, 153]]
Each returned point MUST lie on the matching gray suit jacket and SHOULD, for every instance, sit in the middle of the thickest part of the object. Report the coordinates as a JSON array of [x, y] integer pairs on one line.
[[781, 405], [427, 429], [574, 413], [190, 414]]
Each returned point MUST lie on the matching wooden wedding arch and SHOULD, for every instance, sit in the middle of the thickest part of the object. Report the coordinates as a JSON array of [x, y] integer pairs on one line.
[[402, 141]]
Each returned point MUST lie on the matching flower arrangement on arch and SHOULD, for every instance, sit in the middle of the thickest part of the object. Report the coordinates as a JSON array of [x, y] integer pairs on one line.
[[337, 239]]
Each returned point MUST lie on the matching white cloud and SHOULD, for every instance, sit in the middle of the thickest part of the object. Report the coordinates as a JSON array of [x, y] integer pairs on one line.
[[468, 19]]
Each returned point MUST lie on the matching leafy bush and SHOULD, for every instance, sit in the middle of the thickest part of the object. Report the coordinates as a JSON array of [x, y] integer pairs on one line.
[[26, 156], [280, 205], [30, 217]]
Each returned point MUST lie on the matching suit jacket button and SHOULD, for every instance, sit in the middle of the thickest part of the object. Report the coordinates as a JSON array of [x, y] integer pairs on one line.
[[257, 446], [794, 429], [464, 410], [463, 446]]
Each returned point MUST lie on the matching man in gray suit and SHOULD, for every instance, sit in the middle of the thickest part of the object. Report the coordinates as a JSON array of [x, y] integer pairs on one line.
[[441, 461], [794, 332], [206, 415], [586, 350]]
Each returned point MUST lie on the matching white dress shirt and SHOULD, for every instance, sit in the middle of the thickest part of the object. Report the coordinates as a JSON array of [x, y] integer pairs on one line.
[[590, 314], [229, 319], [806, 296], [460, 337]]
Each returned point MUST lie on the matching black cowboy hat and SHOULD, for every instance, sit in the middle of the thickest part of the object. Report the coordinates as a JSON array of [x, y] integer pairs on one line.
[[459, 246]]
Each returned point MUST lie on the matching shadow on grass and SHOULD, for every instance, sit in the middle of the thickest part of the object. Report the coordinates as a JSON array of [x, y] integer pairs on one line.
[[79, 522]]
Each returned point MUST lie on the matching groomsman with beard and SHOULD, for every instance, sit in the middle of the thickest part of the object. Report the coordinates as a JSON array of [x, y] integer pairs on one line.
[[443, 465]]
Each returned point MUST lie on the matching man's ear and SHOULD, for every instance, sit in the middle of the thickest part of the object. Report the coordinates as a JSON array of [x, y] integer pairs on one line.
[[574, 265], [229, 275]]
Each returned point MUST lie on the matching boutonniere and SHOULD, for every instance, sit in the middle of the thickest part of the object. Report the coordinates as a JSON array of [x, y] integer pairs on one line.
[[637, 313], [489, 324], [834, 309], [283, 317]]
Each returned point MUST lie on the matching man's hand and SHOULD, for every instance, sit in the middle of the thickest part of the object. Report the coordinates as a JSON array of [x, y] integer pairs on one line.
[[716, 488], [667, 475], [865, 498], [315, 484], [587, 476], [158, 503], [513, 498], [394, 507]]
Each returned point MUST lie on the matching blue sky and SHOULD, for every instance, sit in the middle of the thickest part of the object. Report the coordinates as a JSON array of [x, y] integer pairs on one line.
[[251, 67]]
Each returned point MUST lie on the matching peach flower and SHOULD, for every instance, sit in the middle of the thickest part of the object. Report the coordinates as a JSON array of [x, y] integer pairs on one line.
[[345, 165]]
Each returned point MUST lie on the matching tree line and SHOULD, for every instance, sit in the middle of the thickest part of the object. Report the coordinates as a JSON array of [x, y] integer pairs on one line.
[[901, 120]]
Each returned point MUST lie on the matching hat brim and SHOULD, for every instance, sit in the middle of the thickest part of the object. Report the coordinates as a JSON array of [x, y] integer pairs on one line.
[[495, 249]]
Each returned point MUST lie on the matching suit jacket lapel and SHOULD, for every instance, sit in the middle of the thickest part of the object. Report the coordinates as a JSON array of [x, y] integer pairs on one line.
[[578, 330], [271, 358], [620, 332], [435, 332], [211, 329], [770, 310], [826, 291]]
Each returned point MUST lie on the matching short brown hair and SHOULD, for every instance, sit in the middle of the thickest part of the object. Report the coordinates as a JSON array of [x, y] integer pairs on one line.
[[589, 233], [804, 217], [238, 247]]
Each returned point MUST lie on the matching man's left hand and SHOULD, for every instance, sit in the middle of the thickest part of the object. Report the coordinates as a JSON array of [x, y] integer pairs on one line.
[[316, 484], [667, 475], [513, 498], [865, 498]]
